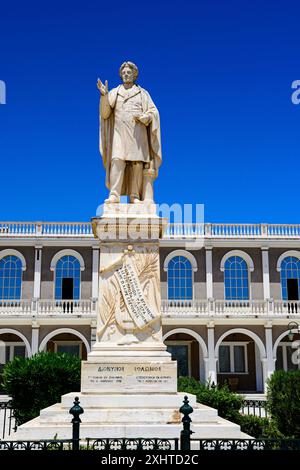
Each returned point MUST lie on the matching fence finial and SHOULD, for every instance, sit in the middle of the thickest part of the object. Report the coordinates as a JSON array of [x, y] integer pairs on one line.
[[185, 435], [76, 410]]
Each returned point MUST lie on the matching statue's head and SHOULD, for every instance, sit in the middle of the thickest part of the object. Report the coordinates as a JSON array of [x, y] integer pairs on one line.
[[128, 72]]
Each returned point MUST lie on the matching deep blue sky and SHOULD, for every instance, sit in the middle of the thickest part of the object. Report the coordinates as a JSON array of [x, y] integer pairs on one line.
[[220, 73]]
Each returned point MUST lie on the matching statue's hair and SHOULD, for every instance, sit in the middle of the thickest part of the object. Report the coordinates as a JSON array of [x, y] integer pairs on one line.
[[132, 66]]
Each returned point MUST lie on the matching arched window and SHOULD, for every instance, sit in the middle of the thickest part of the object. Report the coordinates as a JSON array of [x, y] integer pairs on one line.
[[67, 278], [290, 278], [180, 279], [236, 279], [10, 277]]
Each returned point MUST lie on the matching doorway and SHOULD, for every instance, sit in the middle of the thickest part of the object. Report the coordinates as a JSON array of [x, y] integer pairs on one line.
[[293, 295], [292, 289], [67, 288], [67, 293], [181, 353]]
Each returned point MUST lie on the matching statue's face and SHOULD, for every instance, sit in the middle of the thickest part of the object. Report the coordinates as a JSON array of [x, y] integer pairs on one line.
[[127, 74]]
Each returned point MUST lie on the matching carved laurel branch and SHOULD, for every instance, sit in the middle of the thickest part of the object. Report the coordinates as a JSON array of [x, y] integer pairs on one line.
[[108, 305], [146, 265]]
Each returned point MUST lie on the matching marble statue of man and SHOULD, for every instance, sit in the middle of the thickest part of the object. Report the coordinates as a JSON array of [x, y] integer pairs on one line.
[[130, 142]]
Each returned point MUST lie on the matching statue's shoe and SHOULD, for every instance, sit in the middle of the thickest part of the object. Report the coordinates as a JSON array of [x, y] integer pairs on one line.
[[134, 199], [112, 199]]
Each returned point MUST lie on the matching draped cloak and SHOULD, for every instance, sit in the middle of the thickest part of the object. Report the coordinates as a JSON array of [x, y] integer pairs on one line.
[[106, 134]]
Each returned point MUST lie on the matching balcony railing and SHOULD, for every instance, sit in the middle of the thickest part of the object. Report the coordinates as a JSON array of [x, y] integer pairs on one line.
[[173, 231], [16, 307], [232, 231], [48, 308], [169, 308], [66, 307], [185, 308], [46, 229], [230, 308]]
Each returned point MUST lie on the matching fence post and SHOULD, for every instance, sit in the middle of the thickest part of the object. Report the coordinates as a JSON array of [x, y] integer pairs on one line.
[[185, 435], [76, 410]]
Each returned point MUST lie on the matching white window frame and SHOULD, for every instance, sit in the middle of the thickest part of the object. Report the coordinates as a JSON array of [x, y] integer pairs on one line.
[[68, 343], [54, 282], [187, 343], [284, 345], [192, 260], [10, 252], [287, 254], [250, 265], [11, 345], [231, 345], [60, 254], [18, 254]]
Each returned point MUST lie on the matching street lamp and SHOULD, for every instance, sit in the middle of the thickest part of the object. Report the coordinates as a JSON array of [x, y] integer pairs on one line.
[[291, 326]]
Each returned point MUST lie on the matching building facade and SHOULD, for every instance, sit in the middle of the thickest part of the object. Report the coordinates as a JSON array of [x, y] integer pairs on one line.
[[230, 296]]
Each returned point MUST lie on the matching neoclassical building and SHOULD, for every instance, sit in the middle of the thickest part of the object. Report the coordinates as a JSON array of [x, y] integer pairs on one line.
[[230, 295]]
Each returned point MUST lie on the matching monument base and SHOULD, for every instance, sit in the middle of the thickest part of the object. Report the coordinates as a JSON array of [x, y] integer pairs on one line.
[[129, 382], [136, 376], [132, 416], [128, 393]]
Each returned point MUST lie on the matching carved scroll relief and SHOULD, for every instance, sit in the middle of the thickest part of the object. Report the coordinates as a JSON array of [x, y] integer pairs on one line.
[[130, 290]]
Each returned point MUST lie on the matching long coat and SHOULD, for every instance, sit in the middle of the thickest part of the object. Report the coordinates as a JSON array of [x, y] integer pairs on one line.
[[106, 134]]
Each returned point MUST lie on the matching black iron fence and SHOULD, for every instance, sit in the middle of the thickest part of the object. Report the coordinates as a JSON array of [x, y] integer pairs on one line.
[[136, 444], [154, 444], [7, 420], [255, 407], [51, 444], [245, 444]]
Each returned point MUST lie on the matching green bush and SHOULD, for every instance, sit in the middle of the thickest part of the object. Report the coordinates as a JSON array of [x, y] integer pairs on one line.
[[283, 398], [271, 431], [220, 397], [258, 427], [228, 405], [39, 381], [253, 425]]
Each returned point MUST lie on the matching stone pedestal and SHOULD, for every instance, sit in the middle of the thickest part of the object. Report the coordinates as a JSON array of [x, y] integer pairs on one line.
[[129, 381], [129, 316], [137, 376], [129, 355]]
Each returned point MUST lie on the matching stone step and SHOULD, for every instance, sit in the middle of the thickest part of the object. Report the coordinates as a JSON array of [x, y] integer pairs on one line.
[[135, 415], [57, 413], [35, 430], [255, 396], [166, 400]]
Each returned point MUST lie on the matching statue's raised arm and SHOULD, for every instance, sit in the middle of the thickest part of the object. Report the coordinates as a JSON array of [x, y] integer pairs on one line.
[[105, 109], [103, 88]]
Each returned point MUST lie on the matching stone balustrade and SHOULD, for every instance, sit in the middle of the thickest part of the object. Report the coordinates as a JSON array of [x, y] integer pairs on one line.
[[173, 231], [170, 308], [48, 308], [231, 308]]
